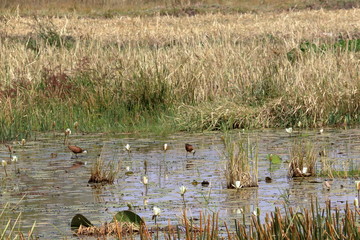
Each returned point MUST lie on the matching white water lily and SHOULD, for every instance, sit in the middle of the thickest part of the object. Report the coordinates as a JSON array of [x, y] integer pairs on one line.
[[239, 211], [145, 180], [289, 130], [357, 185], [237, 185], [304, 170], [321, 131], [156, 211], [23, 141], [165, 147], [4, 163], [14, 158], [146, 201], [255, 212], [127, 147], [67, 131], [356, 202], [183, 190], [127, 168], [299, 124]]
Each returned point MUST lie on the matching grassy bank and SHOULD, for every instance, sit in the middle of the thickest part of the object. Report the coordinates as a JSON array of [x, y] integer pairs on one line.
[[181, 73], [114, 8]]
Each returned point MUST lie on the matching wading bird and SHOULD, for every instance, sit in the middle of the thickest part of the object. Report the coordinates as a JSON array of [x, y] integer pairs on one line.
[[76, 150], [189, 149]]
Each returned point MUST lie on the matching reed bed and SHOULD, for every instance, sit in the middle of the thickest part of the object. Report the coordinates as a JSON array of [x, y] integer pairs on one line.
[[208, 71], [309, 223], [303, 159]]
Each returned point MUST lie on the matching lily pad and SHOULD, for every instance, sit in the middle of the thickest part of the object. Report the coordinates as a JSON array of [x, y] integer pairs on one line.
[[79, 220], [128, 217], [273, 158]]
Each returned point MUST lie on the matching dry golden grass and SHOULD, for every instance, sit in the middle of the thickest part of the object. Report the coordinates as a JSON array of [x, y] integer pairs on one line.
[[214, 69], [303, 160]]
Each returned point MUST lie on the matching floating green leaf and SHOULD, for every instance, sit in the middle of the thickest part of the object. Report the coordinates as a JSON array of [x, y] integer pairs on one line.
[[273, 158], [129, 217], [79, 220]]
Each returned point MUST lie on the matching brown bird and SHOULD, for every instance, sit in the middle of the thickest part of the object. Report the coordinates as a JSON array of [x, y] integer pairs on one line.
[[189, 149], [76, 150]]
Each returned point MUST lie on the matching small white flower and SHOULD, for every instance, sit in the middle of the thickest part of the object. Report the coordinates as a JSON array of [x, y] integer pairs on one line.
[[289, 130], [237, 185], [67, 131], [14, 159], [299, 124], [146, 201], [356, 202], [321, 131], [239, 211], [127, 147], [165, 147], [304, 170], [255, 212], [156, 211], [127, 168], [183, 190], [4, 163], [23, 141], [145, 180]]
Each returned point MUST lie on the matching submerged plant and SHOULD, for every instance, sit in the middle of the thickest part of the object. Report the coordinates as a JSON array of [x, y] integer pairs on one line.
[[242, 162]]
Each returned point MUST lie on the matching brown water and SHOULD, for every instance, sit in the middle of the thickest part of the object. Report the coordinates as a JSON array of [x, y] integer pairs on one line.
[[53, 193]]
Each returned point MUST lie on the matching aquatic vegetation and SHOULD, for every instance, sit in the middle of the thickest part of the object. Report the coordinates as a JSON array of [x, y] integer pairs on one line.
[[242, 161], [101, 173], [303, 159], [156, 213], [67, 133], [4, 164]]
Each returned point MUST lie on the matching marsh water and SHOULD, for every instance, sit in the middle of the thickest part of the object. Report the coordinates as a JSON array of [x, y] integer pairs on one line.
[[50, 190]]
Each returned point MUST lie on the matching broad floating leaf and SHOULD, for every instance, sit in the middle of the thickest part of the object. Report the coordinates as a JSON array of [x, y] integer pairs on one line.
[[273, 158], [128, 217], [79, 220]]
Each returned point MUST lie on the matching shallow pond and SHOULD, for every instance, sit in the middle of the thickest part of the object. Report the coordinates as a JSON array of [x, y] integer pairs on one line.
[[50, 191]]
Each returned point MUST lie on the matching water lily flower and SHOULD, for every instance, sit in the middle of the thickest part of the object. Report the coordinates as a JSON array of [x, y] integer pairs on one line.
[[299, 124], [127, 168], [304, 170], [67, 132], [145, 180], [357, 185], [14, 159], [239, 211], [289, 130], [146, 201], [321, 131], [237, 185], [4, 163], [127, 147], [156, 211], [183, 190], [165, 147], [23, 141], [254, 212], [356, 202]]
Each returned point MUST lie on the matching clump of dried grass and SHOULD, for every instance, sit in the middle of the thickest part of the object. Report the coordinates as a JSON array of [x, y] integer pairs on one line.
[[101, 173], [108, 229], [303, 160], [242, 162]]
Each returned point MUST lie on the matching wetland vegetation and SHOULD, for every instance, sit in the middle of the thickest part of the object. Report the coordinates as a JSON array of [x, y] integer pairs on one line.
[[164, 67], [165, 73]]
